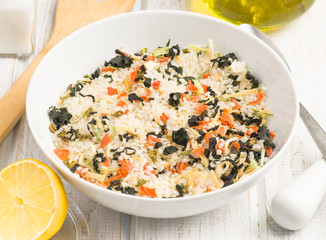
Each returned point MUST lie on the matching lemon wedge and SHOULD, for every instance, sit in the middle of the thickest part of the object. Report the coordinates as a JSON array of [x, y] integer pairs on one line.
[[33, 203]]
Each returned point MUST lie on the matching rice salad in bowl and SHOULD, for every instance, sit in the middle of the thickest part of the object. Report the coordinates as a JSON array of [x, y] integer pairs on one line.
[[164, 123]]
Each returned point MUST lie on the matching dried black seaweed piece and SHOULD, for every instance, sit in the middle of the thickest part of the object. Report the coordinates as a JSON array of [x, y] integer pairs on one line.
[[174, 51], [207, 152], [163, 129], [193, 120], [143, 68], [121, 60], [215, 112], [233, 77], [108, 76], [129, 150], [75, 89], [228, 183], [89, 95], [59, 116], [213, 128], [167, 72], [257, 156], [238, 116], [116, 155], [129, 190], [92, 122], [233, 173], [214, 154], [98, 157], [180, 189], [159, 135], [128, 136], [212, 144], [161, 172], [224, 61], [263, 133], [148, 82], [175, 68], [120, 137], [73, 168], [252, 79], [73, 134], [168, 43], [105, 120], [174, 99], [96, 73], [212, 93], [231, 131], [269, 143], [133, 96], [193, 160], [180, 137], [201, 137], [252, 120], [114, 183], [158, 145], [169, 150]]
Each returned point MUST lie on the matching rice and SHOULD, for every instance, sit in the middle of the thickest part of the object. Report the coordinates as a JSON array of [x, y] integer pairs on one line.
[[167, 123]]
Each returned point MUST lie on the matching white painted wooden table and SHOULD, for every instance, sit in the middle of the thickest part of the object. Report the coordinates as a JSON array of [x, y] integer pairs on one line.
[[303, 43]]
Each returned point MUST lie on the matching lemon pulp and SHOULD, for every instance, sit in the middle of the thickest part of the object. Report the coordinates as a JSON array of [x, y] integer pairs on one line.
[[33, 203]]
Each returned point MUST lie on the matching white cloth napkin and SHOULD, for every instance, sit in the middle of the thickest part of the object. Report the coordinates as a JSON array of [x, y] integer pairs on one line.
[[16, 26]]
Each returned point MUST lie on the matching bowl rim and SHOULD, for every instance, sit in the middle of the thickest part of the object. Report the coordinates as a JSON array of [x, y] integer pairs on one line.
[[54, 160]]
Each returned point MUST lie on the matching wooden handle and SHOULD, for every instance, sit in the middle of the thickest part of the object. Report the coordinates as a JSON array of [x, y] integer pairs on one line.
[[12, 104], [68, 19]]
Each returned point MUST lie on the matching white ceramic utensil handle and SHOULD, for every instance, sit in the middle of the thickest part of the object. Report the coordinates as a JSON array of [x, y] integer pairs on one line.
[[295, 204]]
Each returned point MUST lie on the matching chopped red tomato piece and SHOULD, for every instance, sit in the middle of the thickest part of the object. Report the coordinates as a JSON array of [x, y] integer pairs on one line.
[[134, 74], [208, 136], [236, 104], [226, 118], [206, 75], [200, 108], [149, 192], [126, 167], [191, 87], [107, 69], [164, 118], [260, 97], [124, 94], [121, 103], [163, 59], [152, 140], [237, 145], [204, 87], [105, 141], [63, 154], [269, 151], [106, 163], [150, 58], [198, 152], [181, 166], [156, 84], [112, 91]]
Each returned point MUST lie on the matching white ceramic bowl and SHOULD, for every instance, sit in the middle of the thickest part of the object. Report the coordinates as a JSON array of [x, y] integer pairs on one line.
[[86, 49]]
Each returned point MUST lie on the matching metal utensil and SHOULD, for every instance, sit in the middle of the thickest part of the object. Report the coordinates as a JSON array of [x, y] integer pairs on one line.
[[295, 204]]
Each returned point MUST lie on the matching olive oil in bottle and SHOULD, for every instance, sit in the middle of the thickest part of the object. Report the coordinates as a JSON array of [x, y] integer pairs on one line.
[[264, 14]]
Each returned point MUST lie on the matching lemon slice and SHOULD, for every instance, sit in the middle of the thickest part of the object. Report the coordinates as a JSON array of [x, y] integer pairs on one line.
[[33, 203]]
